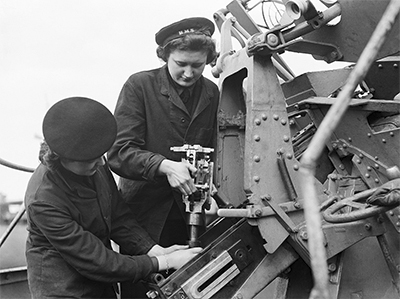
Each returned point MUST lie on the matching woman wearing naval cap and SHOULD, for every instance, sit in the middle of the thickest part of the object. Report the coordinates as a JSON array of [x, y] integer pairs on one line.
[[74, 210], [156, 110]]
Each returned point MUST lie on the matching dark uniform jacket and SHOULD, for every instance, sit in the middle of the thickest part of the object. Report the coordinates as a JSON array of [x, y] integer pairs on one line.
[[70, 225], [151, 118]]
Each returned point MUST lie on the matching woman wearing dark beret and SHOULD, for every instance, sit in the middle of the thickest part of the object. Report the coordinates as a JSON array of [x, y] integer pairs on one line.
[[156, 110], [74, 210]]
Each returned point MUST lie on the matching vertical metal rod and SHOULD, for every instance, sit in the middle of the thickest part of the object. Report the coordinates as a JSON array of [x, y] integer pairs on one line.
[[317, 144]]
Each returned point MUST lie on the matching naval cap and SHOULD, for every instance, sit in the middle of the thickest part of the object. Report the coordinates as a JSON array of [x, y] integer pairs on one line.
[[79, 128], [183, 27]]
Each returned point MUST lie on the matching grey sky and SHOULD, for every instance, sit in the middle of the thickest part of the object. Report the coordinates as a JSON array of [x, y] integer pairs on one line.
[[52, 49]]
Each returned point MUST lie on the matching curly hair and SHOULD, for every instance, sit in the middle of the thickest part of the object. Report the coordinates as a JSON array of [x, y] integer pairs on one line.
[[195, 41], [48, 157]]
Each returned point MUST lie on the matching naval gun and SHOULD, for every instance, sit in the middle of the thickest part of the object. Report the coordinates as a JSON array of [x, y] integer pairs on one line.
[[269, 118]]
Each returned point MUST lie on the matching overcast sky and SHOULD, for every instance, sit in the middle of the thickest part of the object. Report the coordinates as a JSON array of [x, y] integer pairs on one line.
[[53, 49]]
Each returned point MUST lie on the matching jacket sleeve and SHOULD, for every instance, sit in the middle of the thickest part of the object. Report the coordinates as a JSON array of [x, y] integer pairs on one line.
[[128, 157], [83, 250], [125, 230]]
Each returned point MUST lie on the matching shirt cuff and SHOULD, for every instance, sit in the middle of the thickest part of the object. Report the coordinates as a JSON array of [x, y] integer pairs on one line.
[[155, 264]]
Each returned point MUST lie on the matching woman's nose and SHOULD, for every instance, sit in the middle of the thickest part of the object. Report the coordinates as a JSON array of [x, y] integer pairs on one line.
[[188, 73]]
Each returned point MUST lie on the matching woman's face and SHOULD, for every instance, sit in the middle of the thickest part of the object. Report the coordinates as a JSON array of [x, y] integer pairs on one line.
[[186, 67], [86, 168]]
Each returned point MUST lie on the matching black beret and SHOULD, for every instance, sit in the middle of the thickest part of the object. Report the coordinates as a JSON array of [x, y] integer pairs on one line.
[[79, 129], [183, 27]]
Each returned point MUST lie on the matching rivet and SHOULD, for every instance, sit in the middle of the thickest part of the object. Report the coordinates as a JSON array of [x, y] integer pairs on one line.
[[369, 168], [296, 107], [289, 156], [376, 166], [391, 134], [369, 135], [367, 175], [257, 138], [341, 166], [276, 116], [264, 116], [344, 145], [384, 140], [361, 156], [395, 65], [256, 178], [296, 167], [283, 122], [397, 223], [391, 213], [285, 138], [256, 159], [257, 121], [376, 181], [376, 158], [380, 66], [350, 139], [358, 161], [272, 40]]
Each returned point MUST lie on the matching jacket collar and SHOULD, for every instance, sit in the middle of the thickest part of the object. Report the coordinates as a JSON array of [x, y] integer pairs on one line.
[[168, 90]]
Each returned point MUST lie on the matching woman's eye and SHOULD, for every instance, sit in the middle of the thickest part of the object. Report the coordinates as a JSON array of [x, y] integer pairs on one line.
[[197, 65]]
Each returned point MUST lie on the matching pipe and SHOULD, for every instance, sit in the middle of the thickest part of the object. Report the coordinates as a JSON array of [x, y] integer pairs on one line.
[[15, 166], [317, 144]]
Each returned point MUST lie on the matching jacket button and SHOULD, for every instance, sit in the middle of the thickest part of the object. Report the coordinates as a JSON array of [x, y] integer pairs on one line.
[[182, 120]]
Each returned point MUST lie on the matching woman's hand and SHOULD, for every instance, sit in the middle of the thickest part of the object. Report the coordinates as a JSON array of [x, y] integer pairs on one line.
[[177, 258], [179, 175], [157, 250]]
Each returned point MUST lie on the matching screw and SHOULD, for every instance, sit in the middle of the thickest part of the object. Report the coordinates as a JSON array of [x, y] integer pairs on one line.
[[332, 267], [303, 234]]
